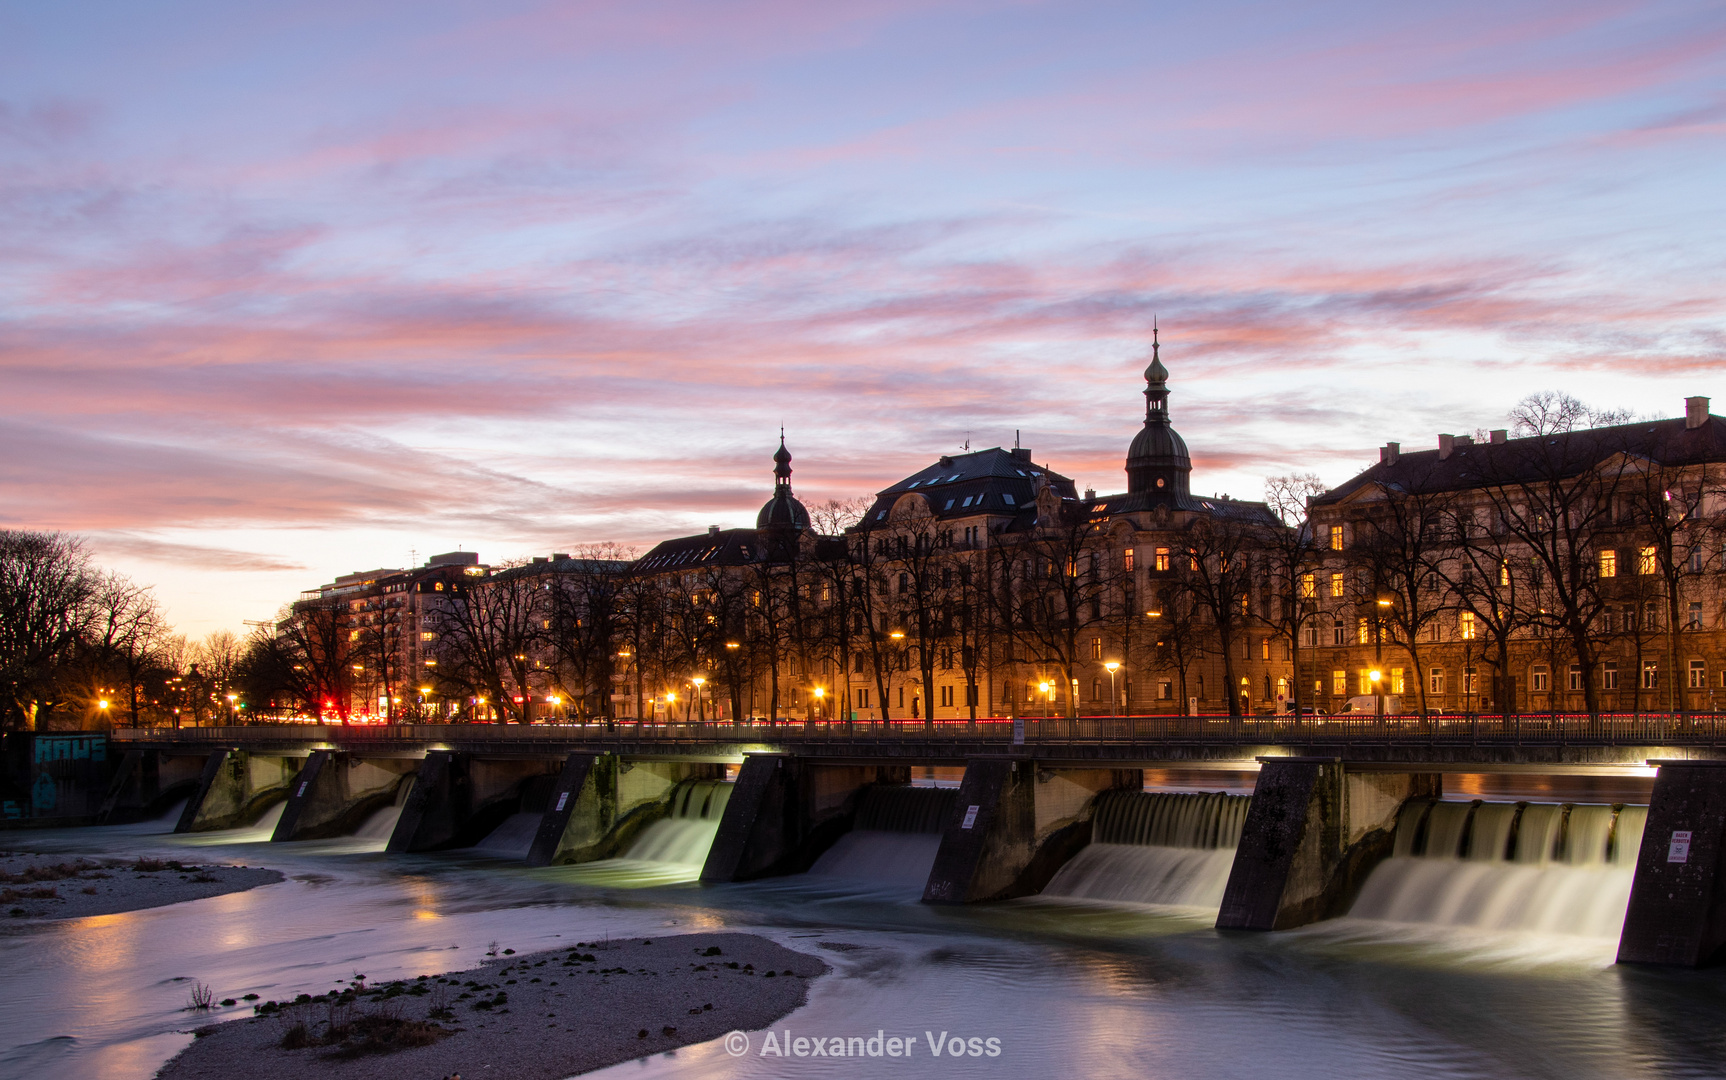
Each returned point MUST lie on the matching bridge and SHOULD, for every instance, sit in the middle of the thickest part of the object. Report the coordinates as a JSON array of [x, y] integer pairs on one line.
[[1327, 798]]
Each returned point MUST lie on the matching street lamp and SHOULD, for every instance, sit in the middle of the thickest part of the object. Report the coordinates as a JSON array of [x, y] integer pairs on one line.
[[1112, 666], [1048, 691], [1378, 691], [700, 702]]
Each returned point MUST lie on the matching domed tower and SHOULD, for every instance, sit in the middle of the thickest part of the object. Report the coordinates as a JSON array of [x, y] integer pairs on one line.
[[783, 518], [1157, 462]]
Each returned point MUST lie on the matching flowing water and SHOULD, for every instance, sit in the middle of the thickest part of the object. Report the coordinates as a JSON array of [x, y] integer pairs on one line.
[[894, 839], [1165, 849], [1071, 990], [1560, 869]]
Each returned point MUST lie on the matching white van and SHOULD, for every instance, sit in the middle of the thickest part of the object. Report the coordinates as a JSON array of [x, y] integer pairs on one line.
[[1368, 703]]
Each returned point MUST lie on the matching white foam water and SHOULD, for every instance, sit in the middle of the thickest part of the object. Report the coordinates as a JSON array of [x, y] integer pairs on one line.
[[1533, 868], [1146, 874], [380, 825]]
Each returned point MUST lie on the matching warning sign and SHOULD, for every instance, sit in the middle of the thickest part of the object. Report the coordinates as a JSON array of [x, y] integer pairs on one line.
[[1679, 850], [970, 817]]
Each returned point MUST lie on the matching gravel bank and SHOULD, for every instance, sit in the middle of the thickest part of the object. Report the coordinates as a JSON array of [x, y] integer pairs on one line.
[[58, 887], [541, 1016]]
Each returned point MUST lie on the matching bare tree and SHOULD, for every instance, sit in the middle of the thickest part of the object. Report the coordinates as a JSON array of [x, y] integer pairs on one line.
[[1290, 553], [46, 591]]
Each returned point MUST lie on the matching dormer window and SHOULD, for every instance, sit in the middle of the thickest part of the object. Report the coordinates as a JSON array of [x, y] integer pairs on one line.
[[967, 501], [949, 505], [1007, 497]]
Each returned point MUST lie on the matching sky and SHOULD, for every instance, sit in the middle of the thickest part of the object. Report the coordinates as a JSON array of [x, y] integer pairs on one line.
[[294, 290]]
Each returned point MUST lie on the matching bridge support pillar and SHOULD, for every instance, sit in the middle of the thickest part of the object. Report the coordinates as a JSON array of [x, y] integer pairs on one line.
[[572, 788], [457, 799], [1015, 825], [1312, 834], [335, 792], [785, 811], [1677, 912]]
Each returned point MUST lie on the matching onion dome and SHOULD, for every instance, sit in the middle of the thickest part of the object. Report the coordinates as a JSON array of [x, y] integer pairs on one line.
[[1157, 461], [783, 510]]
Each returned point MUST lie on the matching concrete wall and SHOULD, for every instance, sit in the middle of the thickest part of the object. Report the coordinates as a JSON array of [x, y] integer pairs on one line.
[[611, 802], [784, 812], [334, 793], [1015, 825], [1677, 911], [1312, 834], [235, 787]]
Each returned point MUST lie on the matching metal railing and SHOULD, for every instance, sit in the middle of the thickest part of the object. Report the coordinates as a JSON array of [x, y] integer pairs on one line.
[[1528, 729]]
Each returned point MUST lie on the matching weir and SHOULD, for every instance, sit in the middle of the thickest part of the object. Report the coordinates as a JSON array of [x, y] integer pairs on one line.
[[599, 805], [1162, 848], [334, 793], [1550, 868], [893, 838], [234, 788], [785, 812]]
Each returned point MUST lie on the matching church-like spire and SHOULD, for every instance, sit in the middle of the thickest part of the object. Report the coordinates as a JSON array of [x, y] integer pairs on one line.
[[1157, 461], [1157, 384], [782, 466]]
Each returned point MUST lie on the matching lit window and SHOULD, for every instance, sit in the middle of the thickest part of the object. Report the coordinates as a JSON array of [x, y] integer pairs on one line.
[[427, 635], [1336, 584], [1162, 562], [1396, 680], [1308, 588], [1096, 648], [1504, 573], [1127, 560], [1698, 675], [1645, 561], [1265, 649], [1336, 537], [1339, 683], [1608, 564], [1465, 626], [1364, 632], [1650, 674], [1363, 679]]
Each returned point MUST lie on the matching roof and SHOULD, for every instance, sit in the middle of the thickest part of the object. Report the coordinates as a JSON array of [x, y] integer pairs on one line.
[[725, 547], [1540, 457], [1220, 506], [992, 481]]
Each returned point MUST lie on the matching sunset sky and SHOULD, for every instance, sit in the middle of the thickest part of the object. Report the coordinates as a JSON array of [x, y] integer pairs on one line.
[[292, 290]]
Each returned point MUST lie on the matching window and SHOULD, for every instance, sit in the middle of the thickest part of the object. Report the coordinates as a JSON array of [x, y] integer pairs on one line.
[[1006, 497], [1363, 680], [1363, 632], [1336, 537], [1504, 573], [1645, 561], [1162, 561], [1468, 681], [901, 697], [1096, 690], [1465, 626], [1698, 675], [427, 635], [1096, 648], [1308, 586], [1609, 675], [1309, 636], [1575, 677], [1165, 691], [1695, 560], [1396, 680], [1127, 560], [947, 697], [1336, 583], [1435, 681], [1650, 674], [1693, 619], [1537, 679], [862, 698], [1338, 633], [1339, 683], [1609, 564]]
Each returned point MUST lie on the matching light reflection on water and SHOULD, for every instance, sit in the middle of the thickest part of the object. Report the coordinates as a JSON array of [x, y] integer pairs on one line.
[[1071, 989]]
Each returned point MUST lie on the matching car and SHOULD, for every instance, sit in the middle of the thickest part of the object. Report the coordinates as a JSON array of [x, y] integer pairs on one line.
[[1368, 703], [1305, 710]]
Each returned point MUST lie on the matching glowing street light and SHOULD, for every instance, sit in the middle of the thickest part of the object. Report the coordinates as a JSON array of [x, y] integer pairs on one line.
[[1112, 666]]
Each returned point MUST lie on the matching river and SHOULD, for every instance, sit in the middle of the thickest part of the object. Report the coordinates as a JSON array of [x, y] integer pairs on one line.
[[1069, 988]]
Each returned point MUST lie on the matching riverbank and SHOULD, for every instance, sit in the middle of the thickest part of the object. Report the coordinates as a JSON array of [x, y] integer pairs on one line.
[[57, 887], [539, 1016]]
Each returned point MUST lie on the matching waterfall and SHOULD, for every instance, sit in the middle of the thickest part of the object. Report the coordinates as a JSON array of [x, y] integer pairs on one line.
[[684, 837], [380, 825], [1157, 848], [1552, 868], [894, 838]]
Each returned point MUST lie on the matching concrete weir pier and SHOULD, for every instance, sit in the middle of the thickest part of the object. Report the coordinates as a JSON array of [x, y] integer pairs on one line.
[[1338, 820]]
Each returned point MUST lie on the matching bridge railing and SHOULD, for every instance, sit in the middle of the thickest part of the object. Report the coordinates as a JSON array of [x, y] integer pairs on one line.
[[1446, 729]]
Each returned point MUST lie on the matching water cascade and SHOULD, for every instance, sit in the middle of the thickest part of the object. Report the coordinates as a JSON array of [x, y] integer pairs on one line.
[[1156, 848], [893, 839], [684, 836], [1550, 868]]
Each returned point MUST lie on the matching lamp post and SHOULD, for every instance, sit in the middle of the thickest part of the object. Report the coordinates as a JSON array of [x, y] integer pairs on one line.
[[700, 701], [1384, 602], [898, 636], [1047, 689], [820, 699], [1112, 666], [1377, 689]]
